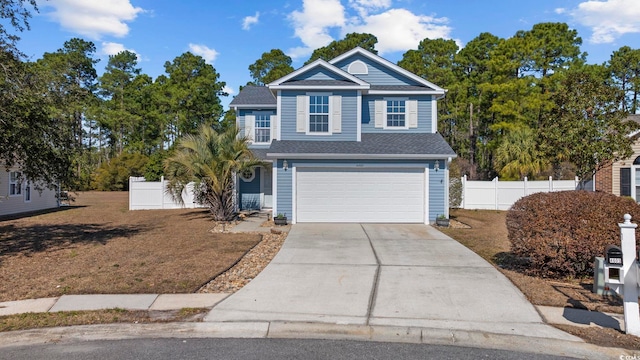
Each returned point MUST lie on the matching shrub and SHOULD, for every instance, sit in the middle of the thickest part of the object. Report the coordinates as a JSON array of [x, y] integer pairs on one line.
[[114, 175], [560, 233]]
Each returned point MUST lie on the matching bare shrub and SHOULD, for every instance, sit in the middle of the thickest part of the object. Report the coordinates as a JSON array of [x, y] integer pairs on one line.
[[560, 233]]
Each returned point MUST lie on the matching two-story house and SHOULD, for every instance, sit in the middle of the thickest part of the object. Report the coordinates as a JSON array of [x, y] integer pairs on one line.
[[350, 140]]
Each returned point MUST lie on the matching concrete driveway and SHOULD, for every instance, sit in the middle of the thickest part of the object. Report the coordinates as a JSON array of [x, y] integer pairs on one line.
[[383, 274]]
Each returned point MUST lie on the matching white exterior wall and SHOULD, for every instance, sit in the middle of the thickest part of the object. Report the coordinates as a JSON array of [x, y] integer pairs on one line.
[[152, 195], [17, 204], [500, 195]]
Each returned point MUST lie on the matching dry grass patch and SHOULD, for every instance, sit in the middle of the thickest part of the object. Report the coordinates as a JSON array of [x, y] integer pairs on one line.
[[99, 246], [111, 316]]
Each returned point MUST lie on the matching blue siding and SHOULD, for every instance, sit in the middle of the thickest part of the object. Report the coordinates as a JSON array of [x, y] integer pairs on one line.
[[349, 116], [250, 192], [424, 114], [318, 73], [378, 74], [284, 190], [436, 186], [437, 183]]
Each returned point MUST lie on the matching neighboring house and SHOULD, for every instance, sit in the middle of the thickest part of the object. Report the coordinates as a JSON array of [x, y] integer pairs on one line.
[[622, 177], [350, 140], [17, 194]]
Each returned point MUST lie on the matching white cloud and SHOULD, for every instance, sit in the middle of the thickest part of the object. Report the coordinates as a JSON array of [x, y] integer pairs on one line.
[[608, 19], [312, 24], [94, 18], [400, 29], [112, 48], [250, 20], [209, 55], [560, 10], [229, 90], [365, 6], [397, 29]]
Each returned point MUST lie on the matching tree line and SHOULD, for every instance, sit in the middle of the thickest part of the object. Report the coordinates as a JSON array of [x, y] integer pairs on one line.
[[528, 105]]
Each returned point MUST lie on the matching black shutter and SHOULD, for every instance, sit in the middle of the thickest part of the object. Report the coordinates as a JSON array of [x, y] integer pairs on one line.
[[625, 181]]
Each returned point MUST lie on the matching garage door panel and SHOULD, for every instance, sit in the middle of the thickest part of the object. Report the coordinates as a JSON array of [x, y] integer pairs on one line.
[[360, 195]]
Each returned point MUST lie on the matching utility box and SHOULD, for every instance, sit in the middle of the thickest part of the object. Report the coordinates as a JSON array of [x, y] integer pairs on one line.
[[613, 255]]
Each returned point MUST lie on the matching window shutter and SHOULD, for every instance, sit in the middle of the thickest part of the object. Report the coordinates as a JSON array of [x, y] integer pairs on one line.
[[412, 113], [625, 181], [379, 113], [336, 113], [302, 109], [249, 125], [274, 126]]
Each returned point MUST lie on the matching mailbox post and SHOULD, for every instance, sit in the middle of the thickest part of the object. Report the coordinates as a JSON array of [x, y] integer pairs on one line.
[[629, 276]]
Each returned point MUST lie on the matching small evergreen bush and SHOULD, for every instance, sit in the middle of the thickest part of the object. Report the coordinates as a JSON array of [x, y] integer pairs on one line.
[[559, 234]]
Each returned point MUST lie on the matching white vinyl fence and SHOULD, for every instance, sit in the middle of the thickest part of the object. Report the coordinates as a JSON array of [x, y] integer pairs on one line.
[[500, 195], [152, 195]]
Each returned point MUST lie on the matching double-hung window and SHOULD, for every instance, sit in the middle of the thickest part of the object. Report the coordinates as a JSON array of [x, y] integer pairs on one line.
[[262, 129], [396, 111], [319, 113], [15, 183]]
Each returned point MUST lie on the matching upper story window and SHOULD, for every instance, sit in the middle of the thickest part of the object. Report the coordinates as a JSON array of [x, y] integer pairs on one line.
[[262, 129], [396, 111], [15, 183], [319, 114]]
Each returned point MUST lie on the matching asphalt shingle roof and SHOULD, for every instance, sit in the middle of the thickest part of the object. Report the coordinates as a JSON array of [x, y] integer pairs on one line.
[[371, 144], [320, 82], [400, 87], [254, 95], [260, 153]]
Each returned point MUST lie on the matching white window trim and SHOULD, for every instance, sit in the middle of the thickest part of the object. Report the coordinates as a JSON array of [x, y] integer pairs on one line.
[[17, 182], [250, 178], [255, 128], [406, 114], [29, 192], [308, 120]]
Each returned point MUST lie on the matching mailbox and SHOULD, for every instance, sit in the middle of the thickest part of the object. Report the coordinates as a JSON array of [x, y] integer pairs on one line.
[[613, 255]]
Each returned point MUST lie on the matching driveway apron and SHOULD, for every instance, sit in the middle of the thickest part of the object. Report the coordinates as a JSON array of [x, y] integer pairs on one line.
[[383, 274]]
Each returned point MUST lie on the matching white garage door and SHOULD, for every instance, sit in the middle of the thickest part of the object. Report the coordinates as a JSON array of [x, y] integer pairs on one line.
[[360, 195]]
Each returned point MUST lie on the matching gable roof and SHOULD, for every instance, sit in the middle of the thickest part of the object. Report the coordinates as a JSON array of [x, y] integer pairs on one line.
[[388, 64], [352, 80], [374, 146], [254, 96]]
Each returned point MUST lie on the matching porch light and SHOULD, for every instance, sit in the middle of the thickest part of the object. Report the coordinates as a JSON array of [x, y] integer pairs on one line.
[[285, 165], [437, 165]]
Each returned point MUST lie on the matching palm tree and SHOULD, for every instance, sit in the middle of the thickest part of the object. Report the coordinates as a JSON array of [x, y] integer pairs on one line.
[[517, 155], [211, 161]]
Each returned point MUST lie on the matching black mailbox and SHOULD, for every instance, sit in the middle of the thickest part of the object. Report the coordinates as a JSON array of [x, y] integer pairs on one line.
[[613, 255]]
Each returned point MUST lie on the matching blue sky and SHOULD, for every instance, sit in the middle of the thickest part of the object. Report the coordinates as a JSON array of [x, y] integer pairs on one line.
[[231, 35]]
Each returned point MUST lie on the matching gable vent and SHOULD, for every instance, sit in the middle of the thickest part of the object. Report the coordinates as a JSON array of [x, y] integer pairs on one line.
[[358, 68]]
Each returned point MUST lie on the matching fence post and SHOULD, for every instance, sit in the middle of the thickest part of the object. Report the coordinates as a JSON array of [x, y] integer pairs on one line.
[[526, 186], [464, 191], [162, 191], [630, 274], [550, 184], [495, 189]]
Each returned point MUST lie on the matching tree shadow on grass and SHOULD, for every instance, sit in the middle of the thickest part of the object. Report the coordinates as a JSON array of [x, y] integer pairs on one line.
[[39, 212], [31, 239], [198, 214]]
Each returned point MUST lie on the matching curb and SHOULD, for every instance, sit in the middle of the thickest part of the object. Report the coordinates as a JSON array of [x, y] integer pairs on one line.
[[287, 330]]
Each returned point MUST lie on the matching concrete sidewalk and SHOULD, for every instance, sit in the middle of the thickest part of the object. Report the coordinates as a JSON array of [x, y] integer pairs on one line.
[[101, 302]]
